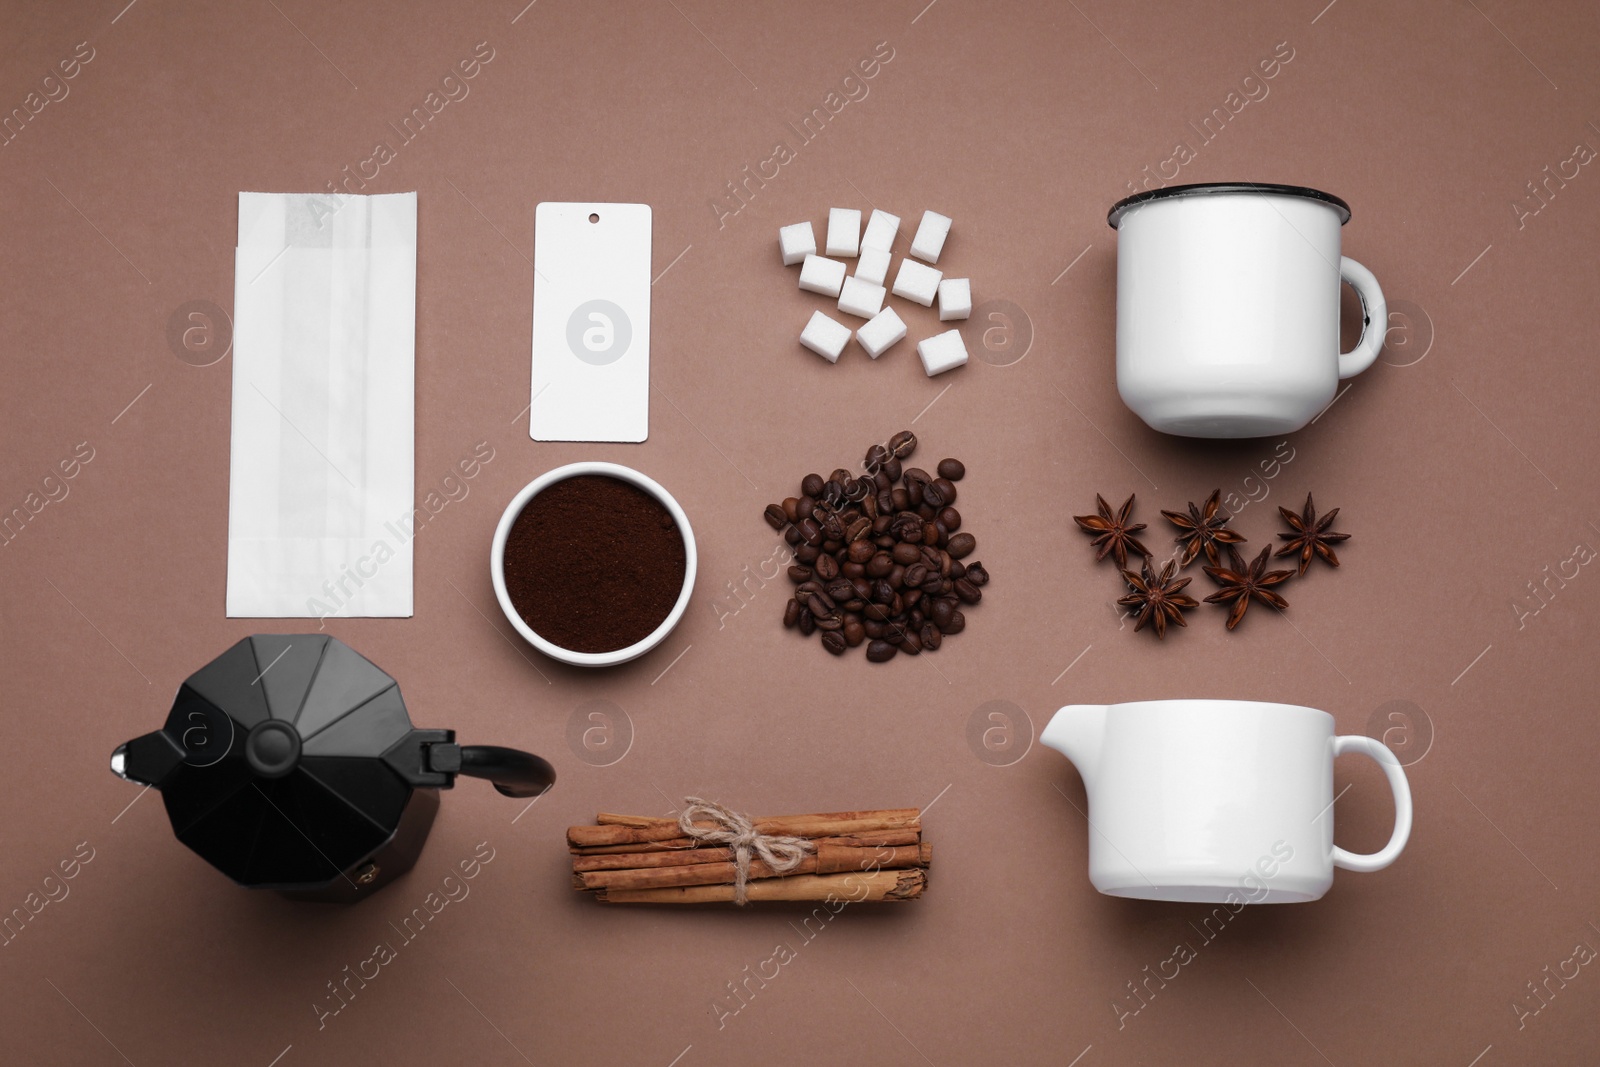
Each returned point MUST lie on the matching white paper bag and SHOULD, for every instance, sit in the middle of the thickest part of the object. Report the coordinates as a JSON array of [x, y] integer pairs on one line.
[[320, 490]]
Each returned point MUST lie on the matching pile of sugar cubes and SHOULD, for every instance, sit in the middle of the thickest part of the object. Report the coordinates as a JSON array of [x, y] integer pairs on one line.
[[862, 294]]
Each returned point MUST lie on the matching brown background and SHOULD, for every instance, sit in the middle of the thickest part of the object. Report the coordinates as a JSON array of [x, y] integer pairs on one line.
[[1463, 461]]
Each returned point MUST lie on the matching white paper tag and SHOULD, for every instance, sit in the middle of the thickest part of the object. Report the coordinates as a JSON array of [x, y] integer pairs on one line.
[[591, 323]]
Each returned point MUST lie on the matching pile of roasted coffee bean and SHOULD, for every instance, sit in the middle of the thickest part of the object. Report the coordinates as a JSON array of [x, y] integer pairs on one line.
[[879, 556]]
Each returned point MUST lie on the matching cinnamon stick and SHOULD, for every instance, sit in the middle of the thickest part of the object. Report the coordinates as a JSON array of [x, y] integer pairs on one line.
[[687, 844], [857, 887], [828, 859], [828, 824]]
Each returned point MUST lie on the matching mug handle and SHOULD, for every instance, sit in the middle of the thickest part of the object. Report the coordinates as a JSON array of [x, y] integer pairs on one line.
[[1377, 861], [1374, 318]]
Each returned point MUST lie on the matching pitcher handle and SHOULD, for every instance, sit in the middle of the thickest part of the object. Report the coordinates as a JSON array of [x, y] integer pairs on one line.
[[1378, 751]]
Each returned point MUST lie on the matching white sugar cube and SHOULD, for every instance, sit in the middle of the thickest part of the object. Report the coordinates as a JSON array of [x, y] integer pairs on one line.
[[861, 299], [827, 338], [929, 241], [844, 231], [873, 266], [955, 299], [942, 352], [884, 331], [914, 282], [881, 228], [796, 243], [825, 276]]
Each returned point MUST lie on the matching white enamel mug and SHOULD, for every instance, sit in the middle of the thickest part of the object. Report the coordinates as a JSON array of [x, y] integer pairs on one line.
[[1217, 801], [1228, 307]]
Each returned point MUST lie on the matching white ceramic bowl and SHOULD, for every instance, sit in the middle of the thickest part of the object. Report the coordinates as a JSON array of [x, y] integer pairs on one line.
[[497, 558]]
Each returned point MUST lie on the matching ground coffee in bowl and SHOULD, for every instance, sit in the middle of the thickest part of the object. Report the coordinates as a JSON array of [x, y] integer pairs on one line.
[[593, 559]]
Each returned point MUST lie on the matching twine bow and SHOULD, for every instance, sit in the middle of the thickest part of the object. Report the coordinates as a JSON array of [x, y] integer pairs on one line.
[[780, 854]]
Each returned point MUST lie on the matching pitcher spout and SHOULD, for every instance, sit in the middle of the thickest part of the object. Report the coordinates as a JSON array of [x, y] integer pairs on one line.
[[147, 760], [1076, 731]]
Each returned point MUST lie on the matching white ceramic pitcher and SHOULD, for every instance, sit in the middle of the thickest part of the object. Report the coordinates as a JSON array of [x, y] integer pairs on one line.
[[1216, 800]]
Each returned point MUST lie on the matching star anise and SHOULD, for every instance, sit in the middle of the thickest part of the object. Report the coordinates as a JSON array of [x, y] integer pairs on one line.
[[1115, 535], [1240, 583], [1157, 597], [1204, 529], [1310, 535]]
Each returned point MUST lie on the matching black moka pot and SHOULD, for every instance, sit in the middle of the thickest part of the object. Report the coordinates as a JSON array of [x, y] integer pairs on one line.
[[289, 763]]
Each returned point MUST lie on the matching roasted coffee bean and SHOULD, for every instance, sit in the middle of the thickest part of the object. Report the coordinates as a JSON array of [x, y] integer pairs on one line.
[[833, 493], [894, 632], [932, 587], [931, 534], [926, 512], [933, 495], [881, 524], [806, 588], [791, 508], [827, 567], [946, 561], [856, 490], [915, 575], [807, 553], [885, 502], [881, 481], [915, 476], [947, 489], [811, 485], [808, 625], [834, 642], [896, 576], [906, 554], [914, 495], [860, 551], [810, 532], [873, 628], [775, 516], [878, 612], [854, 632], [880, 651], [797, 573], [951, 519], [886, 542], [879, 565], [882, 592], [859, 528], [958, 570], [791, 614], [869, 505], [969, 593], [961, 545], [903, 444], [820, 605], [899, 498], [952, 469], [830, 622], [841, 589], [857, 606], [891, 469], [911, 644], [911, 600], [957, 623], [875, 457], [863, 587], [839, 475], [940, 611], [977, 574], [906, 527], [932, 638], [832, 547], [804, 507], [947, 587], [852, 570], [792, 535], [833, 529]]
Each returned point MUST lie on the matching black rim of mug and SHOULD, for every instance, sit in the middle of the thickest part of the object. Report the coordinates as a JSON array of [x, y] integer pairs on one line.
[[1114, 218]]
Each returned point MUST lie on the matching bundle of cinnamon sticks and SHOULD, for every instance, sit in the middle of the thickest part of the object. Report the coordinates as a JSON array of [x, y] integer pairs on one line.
[[854, 856]]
